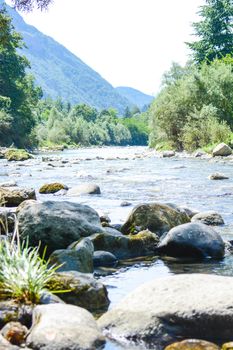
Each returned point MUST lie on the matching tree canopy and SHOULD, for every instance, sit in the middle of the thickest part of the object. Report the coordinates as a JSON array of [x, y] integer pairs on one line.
[[214, 31]]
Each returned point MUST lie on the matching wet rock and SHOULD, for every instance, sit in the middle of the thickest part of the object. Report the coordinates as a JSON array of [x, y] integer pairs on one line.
[[103, 258], [59, 327], [125, 204], [6, 345], [14, 332], [12, 197], [218, 176], [181, 209], [168, 309], [84, 189], [80, 258], [52, 188], [60, 193], [156, 217], [125, 247], [12, 311], [192, 344], [8, 184], [222, 150], [49, 298], [7, 219], [17, 155], [227, 346], [81, 290], [208, 218], [199, 154], [168, 154], [192, 240], [105, 219], [56, 224], [112, 231]]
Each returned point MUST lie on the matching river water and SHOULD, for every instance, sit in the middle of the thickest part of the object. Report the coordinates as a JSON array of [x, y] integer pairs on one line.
[[135, 175]]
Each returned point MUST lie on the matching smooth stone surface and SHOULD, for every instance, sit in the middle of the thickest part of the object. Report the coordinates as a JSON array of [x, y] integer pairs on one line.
[[83, 290], [84, 189], [222, 150], [192, 240], [156, 217], [56, 224], [63, 327], [208, 218], [168, 309], [103, 258], [12, 197]]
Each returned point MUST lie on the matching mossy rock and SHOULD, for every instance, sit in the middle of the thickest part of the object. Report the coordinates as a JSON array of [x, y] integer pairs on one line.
[[52, 188], [193, 344], [227, 346], [17, 155]]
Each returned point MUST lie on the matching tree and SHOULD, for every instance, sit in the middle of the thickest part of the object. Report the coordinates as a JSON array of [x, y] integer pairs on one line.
[[29, 5], [215, 31], [18, 95]]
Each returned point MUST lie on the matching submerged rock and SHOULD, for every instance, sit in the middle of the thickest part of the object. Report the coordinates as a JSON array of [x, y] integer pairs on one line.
[[168, 309], [81, 290], [63, 326], [52, 188], [218, 176], [12, 197], [56, 224], [208, 218], [193, 240], [156, 217], [222, 150]]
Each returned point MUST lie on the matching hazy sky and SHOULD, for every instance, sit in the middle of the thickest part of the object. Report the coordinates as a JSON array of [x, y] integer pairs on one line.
[[128, 42]]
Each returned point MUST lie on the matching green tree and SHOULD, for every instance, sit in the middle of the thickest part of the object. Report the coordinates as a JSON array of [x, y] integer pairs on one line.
[[215, 31]]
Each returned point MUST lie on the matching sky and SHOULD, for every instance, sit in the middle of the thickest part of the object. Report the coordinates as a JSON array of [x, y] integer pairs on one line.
[[128, 42]]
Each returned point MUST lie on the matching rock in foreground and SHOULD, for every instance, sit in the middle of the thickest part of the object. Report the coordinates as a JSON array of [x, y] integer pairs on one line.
[[192, 240], [208, 218], [13, 196], [61, 327], [156, 217], [174, 308]]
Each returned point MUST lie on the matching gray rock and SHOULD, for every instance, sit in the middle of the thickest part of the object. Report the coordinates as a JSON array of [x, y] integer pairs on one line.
[[125, 204], [84, 189], [56, 224], [168, 154], [218, 176], [192, 240], [222, 150], [112, 231], [156, 217], [13, 196], [80, 258], [81, 290], [63, 327], [208, 218], [103, 258], [125, 247], [196, 306], [15, 333]]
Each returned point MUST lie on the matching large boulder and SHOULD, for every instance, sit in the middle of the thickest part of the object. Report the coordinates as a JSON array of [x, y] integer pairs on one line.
[[126, 247], [156, 217], [208, 218], [87, 188], [177, 307], [63, 327], [17, 155], [222, 150], [13, 196], [81, 290], [193, 240], [78, 259], [56, 224]]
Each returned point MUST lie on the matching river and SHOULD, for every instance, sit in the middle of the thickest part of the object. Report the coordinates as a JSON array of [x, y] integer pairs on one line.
[[135, 175]]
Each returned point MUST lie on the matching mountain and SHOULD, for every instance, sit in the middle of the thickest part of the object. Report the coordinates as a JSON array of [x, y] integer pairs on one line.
[[61, 74], [136, 97]]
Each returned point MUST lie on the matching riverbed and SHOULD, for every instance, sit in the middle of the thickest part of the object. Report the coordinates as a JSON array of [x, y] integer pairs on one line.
[[136, 175]]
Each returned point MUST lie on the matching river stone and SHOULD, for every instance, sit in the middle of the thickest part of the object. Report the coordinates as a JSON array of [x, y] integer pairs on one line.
[[168, 309], [56, 224], [217, 176], [227, 346], [192, 240], [6, 345], [126, 247], [7, 219], [14, 332], [208, 218], [84, 189], [222, 150], [52, 188], [192, 344], [103, 258], [12, 197], [80, 258], [10, 310], [168, 154], [63, 327], [156, 217], [17, 154], [83, 290]]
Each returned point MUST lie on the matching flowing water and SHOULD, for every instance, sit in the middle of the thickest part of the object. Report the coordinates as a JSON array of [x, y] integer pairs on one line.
[[135, 175]]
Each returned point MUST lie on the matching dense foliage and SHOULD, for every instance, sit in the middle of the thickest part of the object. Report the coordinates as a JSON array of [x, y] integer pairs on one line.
[[214, 31]]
